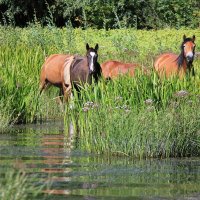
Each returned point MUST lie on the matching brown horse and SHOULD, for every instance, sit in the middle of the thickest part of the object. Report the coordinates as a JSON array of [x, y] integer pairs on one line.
[[112, 69], [172, 64], [81, 70]]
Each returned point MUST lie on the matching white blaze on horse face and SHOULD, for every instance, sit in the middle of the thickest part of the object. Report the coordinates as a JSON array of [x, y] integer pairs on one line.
[[92, 61], [189, 54]]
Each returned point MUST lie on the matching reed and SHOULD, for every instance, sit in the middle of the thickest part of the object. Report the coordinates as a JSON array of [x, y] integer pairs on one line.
[[17, 186], [4, 118], [140, 117]]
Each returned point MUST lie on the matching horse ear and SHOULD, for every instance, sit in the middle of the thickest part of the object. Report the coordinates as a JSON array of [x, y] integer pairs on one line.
[[193, 38], [96, 47], [184, 37], [87, 46]]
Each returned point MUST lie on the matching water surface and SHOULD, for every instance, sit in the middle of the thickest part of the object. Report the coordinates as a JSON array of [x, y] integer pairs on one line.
[[45, 153]]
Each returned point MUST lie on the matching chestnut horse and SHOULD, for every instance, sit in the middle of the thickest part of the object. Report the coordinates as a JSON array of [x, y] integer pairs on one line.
[[172, 64], [82, 70], [112, 69]]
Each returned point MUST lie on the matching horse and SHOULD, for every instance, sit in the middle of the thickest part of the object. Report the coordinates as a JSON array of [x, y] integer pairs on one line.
[[169, 64], [112, 69], [64, 70]]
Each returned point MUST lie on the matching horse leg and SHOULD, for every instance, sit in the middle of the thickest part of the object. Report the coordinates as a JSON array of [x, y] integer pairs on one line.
[[193, 73], [59, 99], [191, 70], [66, 92], [43, 81], [43, 85]]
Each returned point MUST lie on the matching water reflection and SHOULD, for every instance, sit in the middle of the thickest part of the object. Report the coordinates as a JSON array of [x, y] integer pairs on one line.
[[45, 152], [56, 154]]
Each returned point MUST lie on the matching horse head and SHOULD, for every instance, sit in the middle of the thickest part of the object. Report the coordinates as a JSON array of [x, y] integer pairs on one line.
[[188, 49], [92, 57]]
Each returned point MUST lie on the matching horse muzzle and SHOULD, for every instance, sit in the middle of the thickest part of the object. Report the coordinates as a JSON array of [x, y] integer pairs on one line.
[[189, 59], [91, 72]]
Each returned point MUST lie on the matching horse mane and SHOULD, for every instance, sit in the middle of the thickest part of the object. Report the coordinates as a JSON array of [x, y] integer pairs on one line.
[[98, 71], [180, 58], [76, 60]]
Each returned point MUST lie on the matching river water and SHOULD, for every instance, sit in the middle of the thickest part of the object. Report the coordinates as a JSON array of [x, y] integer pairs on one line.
[[45, 151]]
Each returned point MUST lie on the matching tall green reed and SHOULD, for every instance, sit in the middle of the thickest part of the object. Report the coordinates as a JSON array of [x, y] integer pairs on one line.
[[5, 117], [17, 186], [141, 117]]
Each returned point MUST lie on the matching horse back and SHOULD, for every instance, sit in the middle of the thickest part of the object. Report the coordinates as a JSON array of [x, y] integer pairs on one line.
[[107, 67], [52, 68], [111, 69], [120, 71]]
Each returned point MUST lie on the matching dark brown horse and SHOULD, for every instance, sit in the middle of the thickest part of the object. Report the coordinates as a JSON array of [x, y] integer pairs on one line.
[[112, 69], [172, 64], [63, 70]]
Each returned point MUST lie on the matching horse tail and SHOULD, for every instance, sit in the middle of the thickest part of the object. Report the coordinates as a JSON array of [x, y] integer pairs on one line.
[[67, 68]]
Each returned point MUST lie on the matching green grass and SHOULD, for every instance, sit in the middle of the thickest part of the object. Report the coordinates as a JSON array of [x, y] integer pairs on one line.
[[119, 121], [17, 186], [5, 117]]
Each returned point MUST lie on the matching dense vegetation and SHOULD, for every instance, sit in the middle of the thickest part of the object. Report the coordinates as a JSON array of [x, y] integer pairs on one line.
[[150, 14], [147, 116]]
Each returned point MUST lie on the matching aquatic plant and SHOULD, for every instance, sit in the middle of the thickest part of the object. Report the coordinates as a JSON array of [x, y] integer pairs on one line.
[[5, 117], [146, 132], [17, 186]]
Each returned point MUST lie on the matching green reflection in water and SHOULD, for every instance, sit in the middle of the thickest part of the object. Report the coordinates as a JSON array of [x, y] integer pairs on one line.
[[44, 152]]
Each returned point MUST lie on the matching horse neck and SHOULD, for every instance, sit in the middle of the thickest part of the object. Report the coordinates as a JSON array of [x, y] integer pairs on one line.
[[181, 61], [187, 67], [79, 68], [97, 73]]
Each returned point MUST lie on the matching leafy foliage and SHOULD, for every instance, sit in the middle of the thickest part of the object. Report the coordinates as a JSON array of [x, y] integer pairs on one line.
[[150, 14]]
